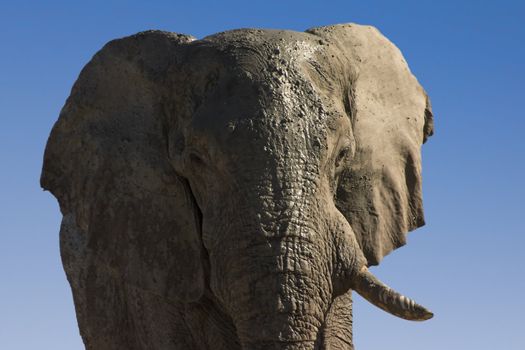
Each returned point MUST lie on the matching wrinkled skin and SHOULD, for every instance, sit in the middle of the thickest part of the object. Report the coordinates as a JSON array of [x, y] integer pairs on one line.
[[230, 192]]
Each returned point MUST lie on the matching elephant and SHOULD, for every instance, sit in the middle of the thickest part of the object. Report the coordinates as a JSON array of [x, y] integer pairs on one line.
[[231, 192]]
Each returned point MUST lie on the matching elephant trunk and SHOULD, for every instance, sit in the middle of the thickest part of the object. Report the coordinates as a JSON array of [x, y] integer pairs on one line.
[[286, 298], [275, 281], [273, 273]]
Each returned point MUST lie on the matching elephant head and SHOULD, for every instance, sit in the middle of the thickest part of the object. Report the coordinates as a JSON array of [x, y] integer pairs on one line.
[[262, 171]]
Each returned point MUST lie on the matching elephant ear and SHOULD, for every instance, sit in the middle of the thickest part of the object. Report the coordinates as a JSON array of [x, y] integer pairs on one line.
[[128, 217], [380, 195]]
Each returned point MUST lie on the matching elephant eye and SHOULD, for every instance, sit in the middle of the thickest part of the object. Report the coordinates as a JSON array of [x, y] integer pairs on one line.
[[342, 156], [195, 159]]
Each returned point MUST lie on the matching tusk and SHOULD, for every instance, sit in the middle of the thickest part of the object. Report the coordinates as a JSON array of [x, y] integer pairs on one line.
[[384, 297]]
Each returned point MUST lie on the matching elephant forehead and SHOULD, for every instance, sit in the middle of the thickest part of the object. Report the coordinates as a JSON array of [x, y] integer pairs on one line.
[[281, 115], [254, 66], [256, 97], [271, 44]]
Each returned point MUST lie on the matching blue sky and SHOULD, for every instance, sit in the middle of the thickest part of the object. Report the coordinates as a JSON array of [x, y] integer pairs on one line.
[[466, 264]]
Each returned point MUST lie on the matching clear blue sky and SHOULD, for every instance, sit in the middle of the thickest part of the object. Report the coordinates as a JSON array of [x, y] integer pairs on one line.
[[467, 264]]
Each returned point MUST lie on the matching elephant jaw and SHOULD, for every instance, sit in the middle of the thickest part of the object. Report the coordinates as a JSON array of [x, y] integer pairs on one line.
[[382, 296]]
